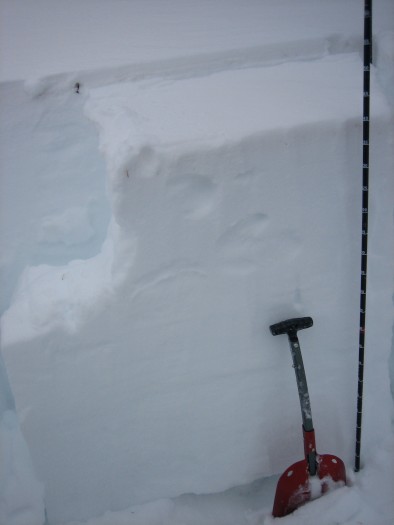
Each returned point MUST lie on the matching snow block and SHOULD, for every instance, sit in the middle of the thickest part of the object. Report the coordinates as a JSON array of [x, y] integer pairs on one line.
[[149, 370]]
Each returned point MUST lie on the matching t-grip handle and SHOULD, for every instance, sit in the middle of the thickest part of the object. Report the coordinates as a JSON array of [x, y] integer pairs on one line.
[[291, 326]]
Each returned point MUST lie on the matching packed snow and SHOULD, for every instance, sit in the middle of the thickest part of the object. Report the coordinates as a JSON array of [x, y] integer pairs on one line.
[[175, 177]]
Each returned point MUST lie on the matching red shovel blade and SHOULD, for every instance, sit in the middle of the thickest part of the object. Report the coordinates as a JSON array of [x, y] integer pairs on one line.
[[296, 487]]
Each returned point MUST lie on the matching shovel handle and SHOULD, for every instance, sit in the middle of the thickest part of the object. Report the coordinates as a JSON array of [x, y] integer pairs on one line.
[[291, 326]]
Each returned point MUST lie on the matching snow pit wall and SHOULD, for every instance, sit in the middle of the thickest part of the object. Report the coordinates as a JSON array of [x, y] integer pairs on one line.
[[21, 494], [149, 371]]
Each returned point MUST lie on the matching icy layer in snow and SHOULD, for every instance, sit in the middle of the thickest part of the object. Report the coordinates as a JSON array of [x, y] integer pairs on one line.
[[149, 371]]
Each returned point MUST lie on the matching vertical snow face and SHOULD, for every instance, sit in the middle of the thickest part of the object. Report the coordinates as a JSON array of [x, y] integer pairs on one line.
[[21, 495], [149, 370]]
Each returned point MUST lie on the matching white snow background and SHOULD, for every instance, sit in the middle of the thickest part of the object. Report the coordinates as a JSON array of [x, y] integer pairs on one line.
[[175, 176]]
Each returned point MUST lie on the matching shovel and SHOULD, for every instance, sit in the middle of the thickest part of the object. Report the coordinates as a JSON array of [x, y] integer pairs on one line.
[[317, 473]]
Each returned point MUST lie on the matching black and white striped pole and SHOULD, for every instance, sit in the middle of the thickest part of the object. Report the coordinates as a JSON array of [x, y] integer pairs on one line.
[[364, 230]]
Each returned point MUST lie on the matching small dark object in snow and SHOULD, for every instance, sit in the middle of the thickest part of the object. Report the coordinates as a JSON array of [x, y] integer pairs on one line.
[[77, 85]]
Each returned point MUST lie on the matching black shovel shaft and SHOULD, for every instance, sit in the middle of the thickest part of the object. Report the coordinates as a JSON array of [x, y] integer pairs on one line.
[[302, 385], [290, 327]]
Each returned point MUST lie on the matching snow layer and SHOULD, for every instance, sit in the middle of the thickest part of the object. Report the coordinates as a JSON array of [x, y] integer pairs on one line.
[[136, 337]]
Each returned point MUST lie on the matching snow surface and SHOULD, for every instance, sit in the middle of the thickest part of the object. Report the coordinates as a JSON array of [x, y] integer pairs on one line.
[[203, 184]]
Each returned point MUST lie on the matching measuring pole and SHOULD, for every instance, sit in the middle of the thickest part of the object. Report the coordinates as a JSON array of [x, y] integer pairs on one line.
[[364, 230]]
